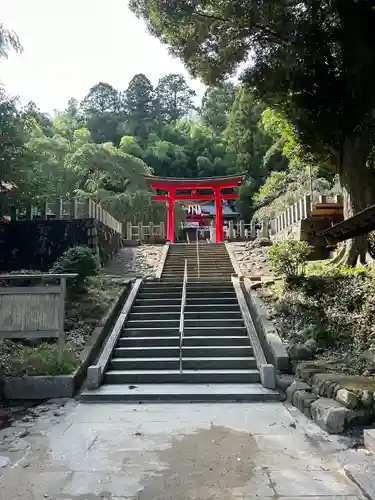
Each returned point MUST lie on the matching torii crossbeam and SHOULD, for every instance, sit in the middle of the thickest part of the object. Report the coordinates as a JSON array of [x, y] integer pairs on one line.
[[172, 185]]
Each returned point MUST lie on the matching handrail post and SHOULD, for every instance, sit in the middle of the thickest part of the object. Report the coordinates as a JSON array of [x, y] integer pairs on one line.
[[198, 263], [182, 313]]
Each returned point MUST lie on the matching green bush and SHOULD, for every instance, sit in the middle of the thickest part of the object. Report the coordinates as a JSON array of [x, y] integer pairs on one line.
[[289, 258], [43, 360], [79, 260]]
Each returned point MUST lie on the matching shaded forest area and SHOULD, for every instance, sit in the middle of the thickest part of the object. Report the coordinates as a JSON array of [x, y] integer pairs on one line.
[[102, 146]]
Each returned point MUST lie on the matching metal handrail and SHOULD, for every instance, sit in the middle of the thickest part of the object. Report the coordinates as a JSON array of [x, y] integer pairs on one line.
[[198, 263], [182, 313]]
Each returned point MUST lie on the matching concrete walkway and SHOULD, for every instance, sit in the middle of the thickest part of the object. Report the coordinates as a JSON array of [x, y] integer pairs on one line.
[[173, 452]]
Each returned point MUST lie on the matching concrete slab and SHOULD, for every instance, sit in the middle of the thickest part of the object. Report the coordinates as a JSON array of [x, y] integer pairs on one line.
[[362, 477], [369, 439], [172, 452]]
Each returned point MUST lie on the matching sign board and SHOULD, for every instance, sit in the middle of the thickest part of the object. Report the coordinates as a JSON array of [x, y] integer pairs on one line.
[[190, 225]]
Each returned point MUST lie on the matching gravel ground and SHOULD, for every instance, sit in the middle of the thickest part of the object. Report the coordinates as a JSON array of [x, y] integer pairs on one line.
[[140, 262], [252, 258]]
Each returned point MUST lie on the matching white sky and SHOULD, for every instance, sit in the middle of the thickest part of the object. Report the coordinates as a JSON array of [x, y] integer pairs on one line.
[[70, 45]]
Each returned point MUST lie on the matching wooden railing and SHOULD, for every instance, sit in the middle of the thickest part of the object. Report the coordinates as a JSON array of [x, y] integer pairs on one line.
[[143, 232], [318, 206], [75, 208]]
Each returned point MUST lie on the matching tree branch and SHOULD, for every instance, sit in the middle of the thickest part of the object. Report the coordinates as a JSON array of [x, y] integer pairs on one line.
[[258, 26]]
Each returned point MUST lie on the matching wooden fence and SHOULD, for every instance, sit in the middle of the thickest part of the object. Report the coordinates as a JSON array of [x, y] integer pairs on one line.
[[142, 232], [76, 208], [35, 311]]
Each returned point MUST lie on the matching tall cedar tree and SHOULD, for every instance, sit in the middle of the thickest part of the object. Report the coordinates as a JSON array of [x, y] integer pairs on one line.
[[313, 60]]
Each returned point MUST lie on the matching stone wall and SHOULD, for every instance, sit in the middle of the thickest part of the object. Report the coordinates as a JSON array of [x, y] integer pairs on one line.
[[304, 230], [37, 244]]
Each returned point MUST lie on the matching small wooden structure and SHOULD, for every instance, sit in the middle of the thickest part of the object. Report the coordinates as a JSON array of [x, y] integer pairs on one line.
[[361, 223], [36, 311]]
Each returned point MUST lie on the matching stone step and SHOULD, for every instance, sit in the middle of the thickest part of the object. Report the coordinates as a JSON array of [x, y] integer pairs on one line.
[[209, 308], [217, 340], [146, 342], [198, 363], [174, 323], [152, 351], [186, 377], [194, 331], [192, 300], [188, 393], [213, 314], [215, 331], [192, 287], [200, 295], [196, 341]]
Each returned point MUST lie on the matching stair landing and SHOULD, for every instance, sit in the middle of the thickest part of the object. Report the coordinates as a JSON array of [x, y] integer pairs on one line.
[[183, 393]]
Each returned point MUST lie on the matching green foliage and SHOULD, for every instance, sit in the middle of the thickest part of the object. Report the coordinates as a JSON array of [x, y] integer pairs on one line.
[[216, 105], [12, 138], [174, 98], [43, 360], [289, 258], [79, 260], [8, 41]]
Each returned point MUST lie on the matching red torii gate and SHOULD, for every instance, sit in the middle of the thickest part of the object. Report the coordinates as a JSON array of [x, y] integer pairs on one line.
[[174, 184]]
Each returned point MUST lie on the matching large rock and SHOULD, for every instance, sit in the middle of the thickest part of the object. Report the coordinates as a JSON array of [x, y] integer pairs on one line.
[[329, 415], [300, 352], [312, 345], [296, 386], [347, 398]]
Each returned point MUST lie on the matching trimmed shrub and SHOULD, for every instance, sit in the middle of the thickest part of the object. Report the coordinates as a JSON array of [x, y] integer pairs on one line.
[[79, 260], [289, 258]]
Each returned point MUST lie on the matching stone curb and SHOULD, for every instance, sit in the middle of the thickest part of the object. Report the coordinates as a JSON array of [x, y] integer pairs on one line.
[[234, 261], [270, 339], [266, 370], [95, 373], [164, 255], [62, 386]]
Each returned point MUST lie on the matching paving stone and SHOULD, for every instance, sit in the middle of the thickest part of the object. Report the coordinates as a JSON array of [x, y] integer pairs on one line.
[[307, 483], [363, 477]]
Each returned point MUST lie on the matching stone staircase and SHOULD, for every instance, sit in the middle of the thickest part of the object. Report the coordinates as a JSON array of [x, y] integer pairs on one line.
[[217, 358]]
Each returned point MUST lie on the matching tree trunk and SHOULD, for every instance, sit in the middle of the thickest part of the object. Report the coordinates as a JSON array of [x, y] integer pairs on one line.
[[358, 183]]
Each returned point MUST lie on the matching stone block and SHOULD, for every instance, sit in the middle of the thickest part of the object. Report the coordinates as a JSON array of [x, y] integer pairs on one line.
[[39, 387], [329, 415], [347, 398], [284, 381], [303, 399], [367, 398], [94, 378], [297, 385], [300, 352], [267, 376], [359, 417]]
